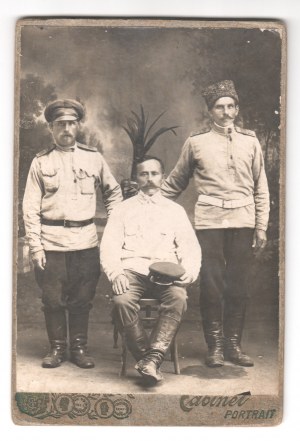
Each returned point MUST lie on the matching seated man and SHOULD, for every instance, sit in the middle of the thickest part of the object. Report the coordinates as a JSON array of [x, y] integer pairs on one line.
[[142, 230]]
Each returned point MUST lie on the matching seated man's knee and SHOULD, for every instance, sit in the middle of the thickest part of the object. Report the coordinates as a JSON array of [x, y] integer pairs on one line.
[[120, 301], [180, 298]]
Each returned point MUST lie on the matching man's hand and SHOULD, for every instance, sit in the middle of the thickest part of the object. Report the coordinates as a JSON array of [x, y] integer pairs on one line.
[[259, 240], [185, 280], [120, 284], [39, 260]]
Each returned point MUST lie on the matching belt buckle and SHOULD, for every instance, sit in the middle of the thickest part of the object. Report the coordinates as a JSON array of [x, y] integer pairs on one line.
[[66, 223]]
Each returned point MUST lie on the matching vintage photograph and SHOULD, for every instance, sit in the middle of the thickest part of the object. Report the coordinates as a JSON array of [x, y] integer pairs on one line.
[[149, 222]]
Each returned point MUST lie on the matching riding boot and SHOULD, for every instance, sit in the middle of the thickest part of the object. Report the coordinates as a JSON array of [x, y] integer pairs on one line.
[[233, 328], [213, 333], [136, 338], [78, 329], [160, 341], [56, 326]]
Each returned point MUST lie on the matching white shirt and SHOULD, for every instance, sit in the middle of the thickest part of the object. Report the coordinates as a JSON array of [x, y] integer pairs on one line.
[[143, 230]]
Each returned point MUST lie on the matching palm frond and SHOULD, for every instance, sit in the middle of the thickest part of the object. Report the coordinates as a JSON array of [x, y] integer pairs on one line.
[[140, 123], [157, 134], [139, 133], [129, 134], [153, 124]]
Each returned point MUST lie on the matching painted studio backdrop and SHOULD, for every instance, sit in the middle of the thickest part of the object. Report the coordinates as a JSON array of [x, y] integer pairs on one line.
[[118, 73]]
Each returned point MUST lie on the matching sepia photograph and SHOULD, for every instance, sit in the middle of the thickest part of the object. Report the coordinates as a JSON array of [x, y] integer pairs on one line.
[[149, 202]]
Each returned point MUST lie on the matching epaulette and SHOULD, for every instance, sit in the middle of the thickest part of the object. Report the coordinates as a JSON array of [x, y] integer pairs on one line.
[[87, 147], [45, 151], [245, 131], [201, 131]]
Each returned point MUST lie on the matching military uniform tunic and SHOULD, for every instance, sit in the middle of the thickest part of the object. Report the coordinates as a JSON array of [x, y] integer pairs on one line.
[[62, 184], [227, 165]]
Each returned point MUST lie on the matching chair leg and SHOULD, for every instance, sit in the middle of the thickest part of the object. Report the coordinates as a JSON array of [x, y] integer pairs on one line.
[[116, 336], [123, 358], [174, 356]]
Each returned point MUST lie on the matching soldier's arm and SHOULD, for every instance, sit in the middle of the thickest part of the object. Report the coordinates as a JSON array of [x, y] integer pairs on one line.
[[188, 248], [178, 179], [111, 246], [261, 191], [111, 190], [32, 211]]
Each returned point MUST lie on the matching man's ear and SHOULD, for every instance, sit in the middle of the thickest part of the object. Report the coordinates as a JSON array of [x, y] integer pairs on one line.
[[237, 108], [50, 127]]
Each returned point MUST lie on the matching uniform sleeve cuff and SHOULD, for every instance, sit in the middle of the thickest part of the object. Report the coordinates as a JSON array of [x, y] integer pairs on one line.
[[36, 250], [261, 227], [115, 274]]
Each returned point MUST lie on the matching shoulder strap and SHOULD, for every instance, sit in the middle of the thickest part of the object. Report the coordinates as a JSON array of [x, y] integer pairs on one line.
[[201, 131], [87, 147], [45, 151], [245, 131]]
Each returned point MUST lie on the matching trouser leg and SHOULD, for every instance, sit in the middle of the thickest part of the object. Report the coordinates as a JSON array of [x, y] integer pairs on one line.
[[125, 313], [212, 286], [239, 257]]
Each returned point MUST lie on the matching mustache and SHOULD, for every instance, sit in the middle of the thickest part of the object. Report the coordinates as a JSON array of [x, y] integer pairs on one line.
[[150, 186]]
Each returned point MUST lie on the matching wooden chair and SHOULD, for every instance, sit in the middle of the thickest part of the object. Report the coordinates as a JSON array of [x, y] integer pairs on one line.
[[149, 314]]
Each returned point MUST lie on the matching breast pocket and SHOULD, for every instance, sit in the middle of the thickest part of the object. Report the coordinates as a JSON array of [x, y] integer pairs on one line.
[[132, 237], [244, 159], [51, 180], [87, 181]]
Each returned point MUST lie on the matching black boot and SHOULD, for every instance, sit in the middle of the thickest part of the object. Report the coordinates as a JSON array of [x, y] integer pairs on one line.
[[149, 366], [56, 326], [233, 328], [160, 341], [136, 339], [213, 333], [78, 327]]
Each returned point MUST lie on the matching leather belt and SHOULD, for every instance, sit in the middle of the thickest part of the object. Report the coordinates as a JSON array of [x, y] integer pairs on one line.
[[66, 223], [222, 203]]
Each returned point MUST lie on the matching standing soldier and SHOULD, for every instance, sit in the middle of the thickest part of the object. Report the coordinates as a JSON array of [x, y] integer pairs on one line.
[[59, 206], [231, 218]]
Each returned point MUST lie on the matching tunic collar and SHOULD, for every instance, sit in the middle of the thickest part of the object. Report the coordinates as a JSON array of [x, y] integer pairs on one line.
[[225, 131], [66, 149]]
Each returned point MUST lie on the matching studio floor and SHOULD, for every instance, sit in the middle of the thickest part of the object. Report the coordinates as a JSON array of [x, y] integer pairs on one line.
[[260, 340]]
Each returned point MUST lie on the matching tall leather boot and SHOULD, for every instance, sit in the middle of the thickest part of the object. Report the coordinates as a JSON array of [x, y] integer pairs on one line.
[[56, 326], [136, 339], [213, 334], [78, 328], [233, 328], [160, 341]]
